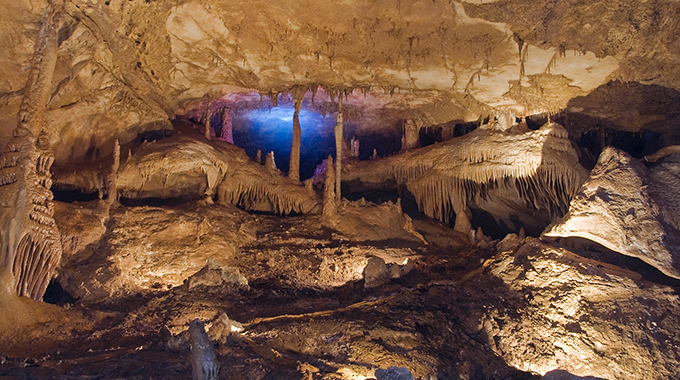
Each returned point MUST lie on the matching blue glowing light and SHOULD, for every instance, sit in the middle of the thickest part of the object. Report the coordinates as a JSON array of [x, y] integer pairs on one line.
[[272, 130]]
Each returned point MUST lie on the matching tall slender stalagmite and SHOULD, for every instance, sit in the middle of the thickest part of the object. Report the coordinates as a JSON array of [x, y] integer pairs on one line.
[[329, 192], [207, 119], [294, 167], [30, 247], [338, 149], [111, 180], [226, 133]]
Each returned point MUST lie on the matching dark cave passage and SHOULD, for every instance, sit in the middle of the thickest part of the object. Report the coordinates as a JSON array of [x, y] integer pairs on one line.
[[637, 144], [159, 202], [56, 295], [70, 196]]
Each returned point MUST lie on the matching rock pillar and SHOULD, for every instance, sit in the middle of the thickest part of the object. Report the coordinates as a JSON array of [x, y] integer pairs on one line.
[[329, 191], [338, 150], [207, 119], [111, 181], [294, 167], [226, 134]]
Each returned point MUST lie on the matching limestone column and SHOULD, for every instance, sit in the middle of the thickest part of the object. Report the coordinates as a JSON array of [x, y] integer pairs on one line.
[[338, 150], [111, 182], [226, 134], [30, 248], [294, 167], [411, 135], [207, 119], [329, 191]]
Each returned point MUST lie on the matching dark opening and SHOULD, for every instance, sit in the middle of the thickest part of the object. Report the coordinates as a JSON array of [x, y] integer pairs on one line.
[[445, 131], [595, 251], [535, 122], [155, 135], [380, 196], [56, 295], [383, 144], [70, 196], [159, 202], [637, 144]]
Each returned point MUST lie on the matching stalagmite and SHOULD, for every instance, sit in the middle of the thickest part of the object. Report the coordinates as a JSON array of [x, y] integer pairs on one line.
[[207, 119], [329, 205], [479, 235], [463, 222], [269, 162], [411, 137], [111, 180], [410, 228], [309, 186], [338, 150], [354, 147], [294, 167], [30, 247], [258, 157], [203, 359], [226, 133]]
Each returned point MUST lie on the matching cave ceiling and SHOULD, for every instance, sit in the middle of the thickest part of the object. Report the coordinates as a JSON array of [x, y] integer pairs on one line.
[[129, 66]]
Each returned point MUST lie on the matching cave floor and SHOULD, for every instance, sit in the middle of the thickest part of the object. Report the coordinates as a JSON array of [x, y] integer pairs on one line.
[[306, 313], [292, 328]]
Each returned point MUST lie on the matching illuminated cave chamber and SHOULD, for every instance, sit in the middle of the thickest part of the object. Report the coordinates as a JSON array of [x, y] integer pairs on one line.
[[339, 189]]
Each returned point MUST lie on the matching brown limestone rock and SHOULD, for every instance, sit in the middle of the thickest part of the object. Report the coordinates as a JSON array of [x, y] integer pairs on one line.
[[620, 208]]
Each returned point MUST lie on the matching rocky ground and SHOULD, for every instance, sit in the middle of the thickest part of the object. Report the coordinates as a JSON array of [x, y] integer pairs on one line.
[[300, 304]]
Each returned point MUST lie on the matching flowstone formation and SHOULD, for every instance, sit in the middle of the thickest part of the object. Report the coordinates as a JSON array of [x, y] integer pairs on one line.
[[30, 249], [505, 170], [186, 167]]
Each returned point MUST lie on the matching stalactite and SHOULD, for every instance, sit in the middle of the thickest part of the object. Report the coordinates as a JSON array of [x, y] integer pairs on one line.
[[338, 150], [541, 166], [249, 190]]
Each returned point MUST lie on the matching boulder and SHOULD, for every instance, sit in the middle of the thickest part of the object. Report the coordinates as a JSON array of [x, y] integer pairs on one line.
[[620, 208]]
